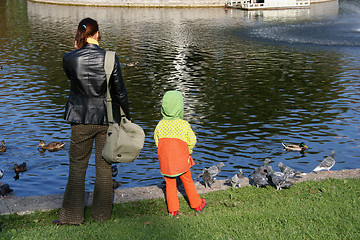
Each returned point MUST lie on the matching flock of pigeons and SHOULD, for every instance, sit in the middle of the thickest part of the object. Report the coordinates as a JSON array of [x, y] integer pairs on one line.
[[265, 175]]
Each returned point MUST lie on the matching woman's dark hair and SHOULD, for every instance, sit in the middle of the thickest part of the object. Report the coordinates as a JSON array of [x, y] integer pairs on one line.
[[87, 28]]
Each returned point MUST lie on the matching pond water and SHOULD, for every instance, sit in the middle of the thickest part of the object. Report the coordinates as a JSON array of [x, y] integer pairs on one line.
[[251, 80]]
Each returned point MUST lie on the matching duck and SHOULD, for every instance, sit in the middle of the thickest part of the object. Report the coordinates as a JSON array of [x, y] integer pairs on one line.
[[2, 146], [116, 184], [53, 146], [4, 189], [114, 170], [295, 147], [20, 168], [132, 64]]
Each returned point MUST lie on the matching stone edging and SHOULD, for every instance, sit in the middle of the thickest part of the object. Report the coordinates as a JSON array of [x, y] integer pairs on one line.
[[26, 205]]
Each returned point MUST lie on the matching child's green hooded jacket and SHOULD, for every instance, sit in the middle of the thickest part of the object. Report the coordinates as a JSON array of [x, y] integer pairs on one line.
[[174, 137]]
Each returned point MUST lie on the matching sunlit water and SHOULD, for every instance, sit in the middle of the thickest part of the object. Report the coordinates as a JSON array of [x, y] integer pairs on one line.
[[251, 80]]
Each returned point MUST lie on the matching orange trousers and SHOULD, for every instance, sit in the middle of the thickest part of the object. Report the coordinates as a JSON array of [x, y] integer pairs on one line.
[[172, 199]]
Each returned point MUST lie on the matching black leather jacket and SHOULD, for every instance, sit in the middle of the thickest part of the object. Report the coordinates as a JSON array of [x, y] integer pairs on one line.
[[87, 100]]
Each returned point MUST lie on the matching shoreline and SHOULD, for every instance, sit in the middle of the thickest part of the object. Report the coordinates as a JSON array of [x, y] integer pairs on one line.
[[148, 3], [26, 205]]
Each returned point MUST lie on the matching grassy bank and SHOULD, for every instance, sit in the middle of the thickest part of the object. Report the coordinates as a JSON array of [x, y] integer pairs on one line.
[[329, 209]]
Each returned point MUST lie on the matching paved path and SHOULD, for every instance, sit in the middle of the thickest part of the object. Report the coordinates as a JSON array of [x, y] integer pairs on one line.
[[25, 205]]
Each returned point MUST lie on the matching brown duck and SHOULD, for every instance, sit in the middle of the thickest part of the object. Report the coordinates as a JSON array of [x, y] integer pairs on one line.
[[2, 146], [53, 146], [20, 168]]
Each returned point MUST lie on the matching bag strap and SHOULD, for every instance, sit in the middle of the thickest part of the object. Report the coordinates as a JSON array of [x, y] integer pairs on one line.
[[109, 66]]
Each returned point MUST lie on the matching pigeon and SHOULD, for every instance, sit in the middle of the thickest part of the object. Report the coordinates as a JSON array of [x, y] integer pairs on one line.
[[259, 177], [326, 164], [5, 189], [53, 146], [20, 168], [237, 179], [207, 178], [1, 173], [266, 163], [288, 171], [2, 146], [277, 178], [213, 170], [114, 170], [295, 147]]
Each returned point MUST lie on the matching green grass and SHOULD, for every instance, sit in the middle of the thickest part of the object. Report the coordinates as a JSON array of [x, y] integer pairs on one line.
[[328, 209]]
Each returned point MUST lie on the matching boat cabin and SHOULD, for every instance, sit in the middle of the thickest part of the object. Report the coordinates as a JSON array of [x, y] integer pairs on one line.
[[267, 4]]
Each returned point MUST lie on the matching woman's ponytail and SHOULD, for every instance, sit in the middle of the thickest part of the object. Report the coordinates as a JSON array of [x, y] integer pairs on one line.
[[87, 28]]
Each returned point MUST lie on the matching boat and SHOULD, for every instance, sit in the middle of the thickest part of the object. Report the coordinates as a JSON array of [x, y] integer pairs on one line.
[[267, 4]]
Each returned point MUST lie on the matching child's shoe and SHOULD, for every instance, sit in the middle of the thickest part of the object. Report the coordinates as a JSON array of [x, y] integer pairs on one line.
[[201, 207], [175, 213]]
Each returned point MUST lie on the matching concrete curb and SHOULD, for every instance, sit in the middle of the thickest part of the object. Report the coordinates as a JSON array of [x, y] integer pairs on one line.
[[25, 205]]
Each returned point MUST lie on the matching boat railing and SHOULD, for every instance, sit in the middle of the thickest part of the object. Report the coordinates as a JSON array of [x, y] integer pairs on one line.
[[237, 3]]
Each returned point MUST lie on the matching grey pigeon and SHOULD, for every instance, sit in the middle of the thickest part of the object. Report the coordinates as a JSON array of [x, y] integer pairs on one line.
[[213, 170], [5, 189], [237, 179], [266, 164], [262, 169], [1, 173], [288, 171], [259, 177], [277, 178], [326, 164], [207, 178], [114, 170]]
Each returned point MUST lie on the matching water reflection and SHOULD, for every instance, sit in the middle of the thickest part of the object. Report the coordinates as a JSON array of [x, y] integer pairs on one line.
[[250, 82]]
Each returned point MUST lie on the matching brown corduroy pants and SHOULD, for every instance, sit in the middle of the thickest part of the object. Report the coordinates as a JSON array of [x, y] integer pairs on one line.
[[82, 140]]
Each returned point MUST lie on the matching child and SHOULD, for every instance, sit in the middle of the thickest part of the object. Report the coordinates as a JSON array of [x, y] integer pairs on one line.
[[175, 141]]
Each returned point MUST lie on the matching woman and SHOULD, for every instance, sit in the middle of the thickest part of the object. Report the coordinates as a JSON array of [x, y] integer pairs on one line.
[[86, 111]]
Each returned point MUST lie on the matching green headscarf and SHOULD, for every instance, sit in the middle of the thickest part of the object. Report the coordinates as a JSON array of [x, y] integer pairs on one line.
[[172, 107]]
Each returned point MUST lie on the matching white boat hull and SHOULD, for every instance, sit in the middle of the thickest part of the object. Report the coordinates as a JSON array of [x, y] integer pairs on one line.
[[268, 4]]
